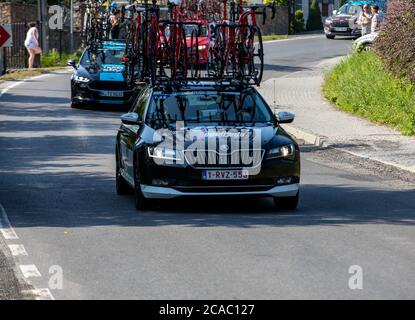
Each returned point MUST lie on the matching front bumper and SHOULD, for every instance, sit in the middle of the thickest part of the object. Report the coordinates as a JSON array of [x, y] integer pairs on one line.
[[83, 94], [152, 192], [331, 31]]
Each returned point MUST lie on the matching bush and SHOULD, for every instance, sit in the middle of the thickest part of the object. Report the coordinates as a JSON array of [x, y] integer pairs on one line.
[[53, 58], [298, 23], [361, 85], [396, 45], [314, 17]]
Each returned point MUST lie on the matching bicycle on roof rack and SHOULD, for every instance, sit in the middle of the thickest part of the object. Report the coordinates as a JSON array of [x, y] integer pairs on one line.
[[162, 49], [238, 52], [96, 25]]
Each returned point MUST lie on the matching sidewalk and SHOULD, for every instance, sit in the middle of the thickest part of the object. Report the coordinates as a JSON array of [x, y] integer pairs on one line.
[[318, 122]]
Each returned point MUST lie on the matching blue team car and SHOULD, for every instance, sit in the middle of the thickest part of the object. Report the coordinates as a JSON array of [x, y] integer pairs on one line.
[[99, 78]]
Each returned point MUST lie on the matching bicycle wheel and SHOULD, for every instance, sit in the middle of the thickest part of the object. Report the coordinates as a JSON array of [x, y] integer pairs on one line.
[[251, 55], [180, 65], [194, 55], [152, 52]]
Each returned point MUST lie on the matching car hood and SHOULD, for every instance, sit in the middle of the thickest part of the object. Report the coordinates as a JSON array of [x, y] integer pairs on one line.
[[104, 72], [202, 41], [269, 136], [341, 17]]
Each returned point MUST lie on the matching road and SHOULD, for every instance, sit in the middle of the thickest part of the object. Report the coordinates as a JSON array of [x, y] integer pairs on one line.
[[57, 187]]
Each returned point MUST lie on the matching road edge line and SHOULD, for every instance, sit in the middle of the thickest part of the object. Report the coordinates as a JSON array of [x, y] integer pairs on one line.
[[33, 292]]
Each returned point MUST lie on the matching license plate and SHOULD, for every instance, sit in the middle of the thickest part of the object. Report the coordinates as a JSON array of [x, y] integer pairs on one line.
[[340, 29], [112, 94], [225, 175]]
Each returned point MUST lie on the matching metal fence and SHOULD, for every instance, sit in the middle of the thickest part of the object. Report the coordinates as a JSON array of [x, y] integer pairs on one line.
[[16, 56]]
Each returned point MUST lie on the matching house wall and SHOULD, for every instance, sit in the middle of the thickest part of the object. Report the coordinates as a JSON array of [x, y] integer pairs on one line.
[[305, 6]]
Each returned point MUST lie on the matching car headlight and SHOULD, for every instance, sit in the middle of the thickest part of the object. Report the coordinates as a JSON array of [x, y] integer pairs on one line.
[[283, 152], [160, 154], [81, 79], [203, 47]]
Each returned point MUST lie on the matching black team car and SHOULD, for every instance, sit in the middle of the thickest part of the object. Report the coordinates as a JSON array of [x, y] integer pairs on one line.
[[99, 78], [205, 139]]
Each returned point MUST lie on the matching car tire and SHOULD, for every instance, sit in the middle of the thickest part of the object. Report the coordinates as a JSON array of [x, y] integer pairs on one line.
[[287, 203], [74, 105], [331, 37], [141, 203], [122, 187]]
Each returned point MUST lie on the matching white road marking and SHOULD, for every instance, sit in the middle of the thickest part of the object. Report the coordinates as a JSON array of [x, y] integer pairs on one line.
[[40, 294], [5, 227], [5, 90], [18, 250], [30, 271]]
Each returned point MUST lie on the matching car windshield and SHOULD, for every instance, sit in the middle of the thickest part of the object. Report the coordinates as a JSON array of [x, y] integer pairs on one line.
[[105, 56], [207, 108], [350, 9], [189, 30], [344, 9]]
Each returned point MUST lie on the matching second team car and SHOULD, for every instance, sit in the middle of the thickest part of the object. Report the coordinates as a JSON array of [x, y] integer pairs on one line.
[[206, 139], [99, 78]]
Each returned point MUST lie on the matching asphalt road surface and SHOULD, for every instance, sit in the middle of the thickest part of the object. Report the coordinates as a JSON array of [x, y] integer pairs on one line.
[[57, 187]]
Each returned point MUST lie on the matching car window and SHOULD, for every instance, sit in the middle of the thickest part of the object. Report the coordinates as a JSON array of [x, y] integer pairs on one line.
[[189, 30], [207, 108], [343, 9], [106, 56], [354, 10], [141, 102]]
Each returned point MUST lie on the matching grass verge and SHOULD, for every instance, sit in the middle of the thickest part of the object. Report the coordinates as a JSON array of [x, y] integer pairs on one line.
[[273, 37], [361, 85], [24, 74], [54, 59]]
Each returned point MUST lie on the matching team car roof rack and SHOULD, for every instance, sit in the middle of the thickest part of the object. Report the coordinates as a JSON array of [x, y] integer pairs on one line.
[[186, 41]]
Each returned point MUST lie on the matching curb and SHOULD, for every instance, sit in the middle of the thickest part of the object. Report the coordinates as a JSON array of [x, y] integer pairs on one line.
[[303, 137]]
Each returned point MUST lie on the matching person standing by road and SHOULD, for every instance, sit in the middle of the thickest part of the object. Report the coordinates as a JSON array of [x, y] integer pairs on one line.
[[376, 20], [365, 20], [32, 43]]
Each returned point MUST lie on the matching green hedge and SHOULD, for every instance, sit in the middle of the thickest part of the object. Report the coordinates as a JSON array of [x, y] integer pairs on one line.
[[361, 85]]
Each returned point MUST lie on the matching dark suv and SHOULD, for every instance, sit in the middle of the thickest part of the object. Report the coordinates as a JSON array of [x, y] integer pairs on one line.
[[206, 140]]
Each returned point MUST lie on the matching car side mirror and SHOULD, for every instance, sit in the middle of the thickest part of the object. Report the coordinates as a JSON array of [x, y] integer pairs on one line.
[[335, 12], [131, 118], [71, 63], [285, 117]]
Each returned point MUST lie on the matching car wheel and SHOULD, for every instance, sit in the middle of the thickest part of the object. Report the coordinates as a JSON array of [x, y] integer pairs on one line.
[[287, 203], [74, 105], [328, 36], [122, 187], [141, 203]]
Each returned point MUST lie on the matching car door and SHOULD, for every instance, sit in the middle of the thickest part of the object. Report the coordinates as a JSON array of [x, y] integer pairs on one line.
[[129, 134]]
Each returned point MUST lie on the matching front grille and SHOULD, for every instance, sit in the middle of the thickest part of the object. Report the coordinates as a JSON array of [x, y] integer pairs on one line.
[[210, 159], [340, 24], [109, 85]]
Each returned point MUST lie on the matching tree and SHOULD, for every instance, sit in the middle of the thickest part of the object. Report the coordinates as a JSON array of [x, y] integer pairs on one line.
[[343, 2], [314, 17]]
